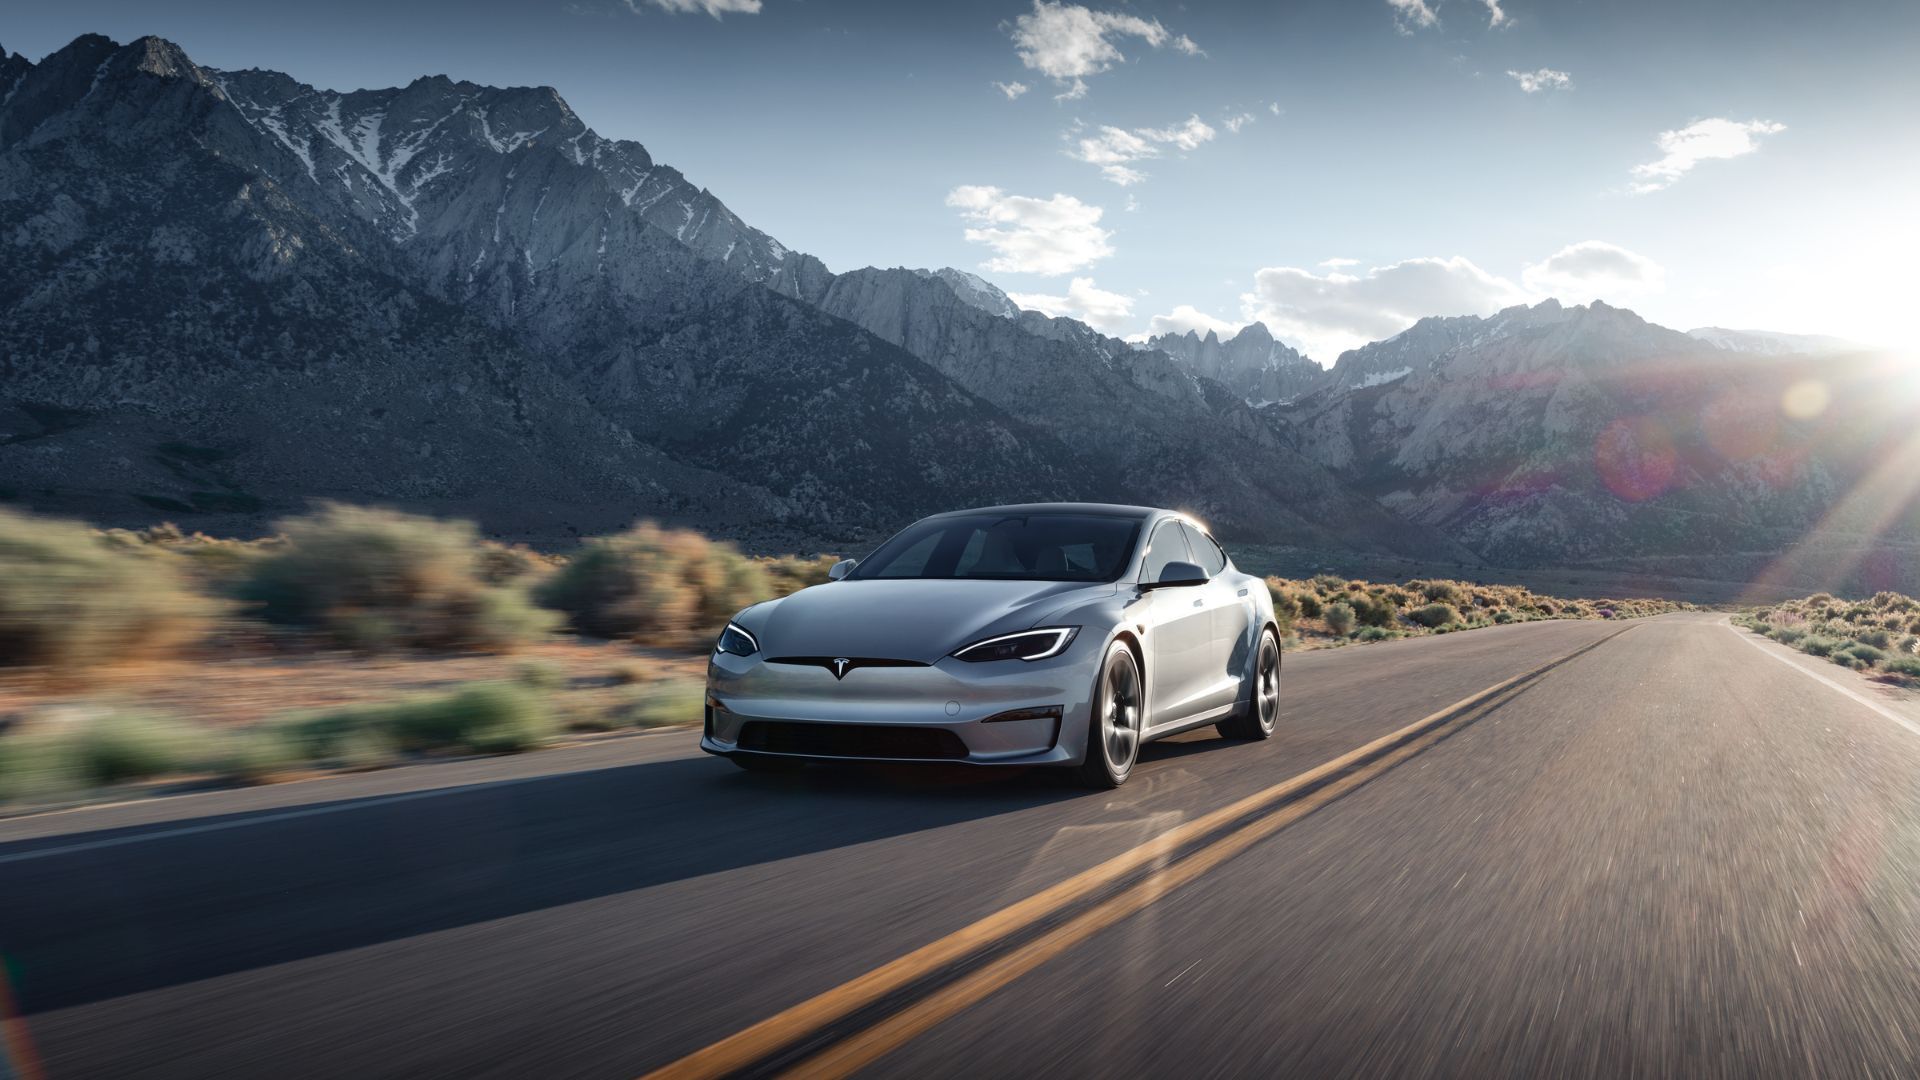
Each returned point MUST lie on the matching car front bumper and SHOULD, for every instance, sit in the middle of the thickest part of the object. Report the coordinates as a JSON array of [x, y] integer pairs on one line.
[[947, 711]]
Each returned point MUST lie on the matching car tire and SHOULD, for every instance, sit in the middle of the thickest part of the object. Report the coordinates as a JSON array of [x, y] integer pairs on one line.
[[1261, 714], [754, 763], [1114, 721]]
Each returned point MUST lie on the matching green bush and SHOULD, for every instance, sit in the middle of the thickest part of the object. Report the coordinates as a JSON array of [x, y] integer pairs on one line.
[[1867, 654], [673, 701], [1310, 605], [1340, 618], [1375, 633], [484, 717], [540, 675], [1285, 608], [1907, 666], [1788, 635], [70, 599], [376, 579], [1879, 639], [661, 586], [1373, 611], [1330, 584], [1503, 617], [1441, 592], [70, 754], [1434, 616], [1818, 645]]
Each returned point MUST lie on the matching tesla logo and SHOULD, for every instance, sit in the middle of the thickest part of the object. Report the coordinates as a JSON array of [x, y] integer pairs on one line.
[[840, 667]]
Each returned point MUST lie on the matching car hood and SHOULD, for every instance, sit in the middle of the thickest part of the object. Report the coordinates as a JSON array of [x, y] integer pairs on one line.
[[904, 619]]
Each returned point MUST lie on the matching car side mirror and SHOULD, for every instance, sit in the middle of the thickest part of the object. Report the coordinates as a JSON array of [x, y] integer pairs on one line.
[[1176, 575], [841, 569]]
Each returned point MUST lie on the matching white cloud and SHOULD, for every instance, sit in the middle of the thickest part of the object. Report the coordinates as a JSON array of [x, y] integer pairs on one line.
[[715, 8], [1187, 317], [1337, 263], [1594, 269], [1012, 89], [1107, 312], [1273, 107], [1495, 17], [1236, 122], [1533, 82], [1702, 140], [1115, 150], [1068, 42], [1408, 14], [1328, 314], [1032, 236]]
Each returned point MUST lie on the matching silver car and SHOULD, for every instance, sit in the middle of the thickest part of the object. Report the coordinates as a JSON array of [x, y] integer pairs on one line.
[[1062, 634]]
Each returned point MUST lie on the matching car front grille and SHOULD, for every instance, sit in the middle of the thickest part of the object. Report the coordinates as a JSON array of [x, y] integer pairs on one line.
[[851, 740]]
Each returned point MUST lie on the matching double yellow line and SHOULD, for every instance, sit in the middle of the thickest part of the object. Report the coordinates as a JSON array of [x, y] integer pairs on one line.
[[1287, 801]]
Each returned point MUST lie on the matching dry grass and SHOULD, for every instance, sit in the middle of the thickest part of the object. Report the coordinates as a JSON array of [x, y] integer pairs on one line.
[[1328, 610], [1879, 635]]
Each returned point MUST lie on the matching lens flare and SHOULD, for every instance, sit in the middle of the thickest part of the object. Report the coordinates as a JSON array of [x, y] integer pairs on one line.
[[1806, 399]]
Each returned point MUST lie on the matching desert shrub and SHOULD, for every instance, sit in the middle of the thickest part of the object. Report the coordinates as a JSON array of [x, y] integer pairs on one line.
[[1879, 639], [70, 599], [540, 675], [1503, 617], [501, 564], [1441, 592], [65, 754], [1434, 616], [791, 573], [1340, 618], [1310, 605], [1285, 607], [664, 586], [1787, 635], [1375, 633], [1329, 584], [629, 672], [672, 701], [1373, 612], [1819, 645], [1866, 654], [1906, 666], [485, 717], [377, 579]]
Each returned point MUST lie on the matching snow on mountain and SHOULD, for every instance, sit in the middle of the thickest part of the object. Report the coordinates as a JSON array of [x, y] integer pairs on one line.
[[1771, 343], [1251, 363]]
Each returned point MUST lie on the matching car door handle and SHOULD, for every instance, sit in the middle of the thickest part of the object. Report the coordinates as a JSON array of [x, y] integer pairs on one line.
[[1242, 592], [1200, 603]]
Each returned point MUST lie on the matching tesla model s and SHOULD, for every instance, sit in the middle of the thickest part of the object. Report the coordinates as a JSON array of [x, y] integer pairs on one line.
[[1063, 634]]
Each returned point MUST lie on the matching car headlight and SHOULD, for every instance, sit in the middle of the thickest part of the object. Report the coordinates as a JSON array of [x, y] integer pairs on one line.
[[736, 642], [1025, 645]]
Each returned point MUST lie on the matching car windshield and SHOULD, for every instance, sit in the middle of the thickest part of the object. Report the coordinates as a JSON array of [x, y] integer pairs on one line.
[[1007, 547]]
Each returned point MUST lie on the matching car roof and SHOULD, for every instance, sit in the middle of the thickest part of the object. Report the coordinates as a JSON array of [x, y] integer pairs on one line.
[[1099, 509]]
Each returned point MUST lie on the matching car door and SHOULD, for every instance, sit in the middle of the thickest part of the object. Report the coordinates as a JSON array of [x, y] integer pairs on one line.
[[1179, 632], [1228, 609]]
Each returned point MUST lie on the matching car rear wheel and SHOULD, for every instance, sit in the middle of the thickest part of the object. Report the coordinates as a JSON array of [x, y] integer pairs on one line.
[[1113, 731], [1262, 712]]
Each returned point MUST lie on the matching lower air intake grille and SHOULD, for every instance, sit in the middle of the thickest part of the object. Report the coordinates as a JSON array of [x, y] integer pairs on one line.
[[850, 740]]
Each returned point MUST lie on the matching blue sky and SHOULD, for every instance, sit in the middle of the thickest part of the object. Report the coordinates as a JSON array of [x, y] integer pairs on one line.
[[1336, 168]]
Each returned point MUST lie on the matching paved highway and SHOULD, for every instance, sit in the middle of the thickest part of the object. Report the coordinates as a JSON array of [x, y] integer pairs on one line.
[[1667, 854]]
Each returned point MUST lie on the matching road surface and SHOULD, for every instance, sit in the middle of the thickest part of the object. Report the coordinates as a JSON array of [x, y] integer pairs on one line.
[[1670, 854]]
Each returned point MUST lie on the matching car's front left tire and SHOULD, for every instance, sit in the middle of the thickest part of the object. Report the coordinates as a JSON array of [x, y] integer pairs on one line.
[[1113, 728]]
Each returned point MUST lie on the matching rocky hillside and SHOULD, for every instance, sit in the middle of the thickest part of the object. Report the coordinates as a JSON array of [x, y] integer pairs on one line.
[[1556, 433], [1251, 363]]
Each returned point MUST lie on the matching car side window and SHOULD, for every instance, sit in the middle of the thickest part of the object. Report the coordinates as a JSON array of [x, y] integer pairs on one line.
[[1167, 545], [1205, 551]]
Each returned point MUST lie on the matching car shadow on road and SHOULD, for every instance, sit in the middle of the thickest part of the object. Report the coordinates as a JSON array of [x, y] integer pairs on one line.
[[92, 924]]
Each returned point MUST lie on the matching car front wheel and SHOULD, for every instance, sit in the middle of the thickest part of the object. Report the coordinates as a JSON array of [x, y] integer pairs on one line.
[[1113, 731]]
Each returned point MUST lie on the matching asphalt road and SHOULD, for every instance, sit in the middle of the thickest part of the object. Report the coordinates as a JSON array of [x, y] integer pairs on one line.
[[1671, 855]]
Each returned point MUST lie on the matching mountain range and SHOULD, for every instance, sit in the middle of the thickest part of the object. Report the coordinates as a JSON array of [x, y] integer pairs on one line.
[[227, 293]]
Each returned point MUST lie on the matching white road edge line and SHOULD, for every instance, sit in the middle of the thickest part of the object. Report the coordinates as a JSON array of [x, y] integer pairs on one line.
[[1811, 674]]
